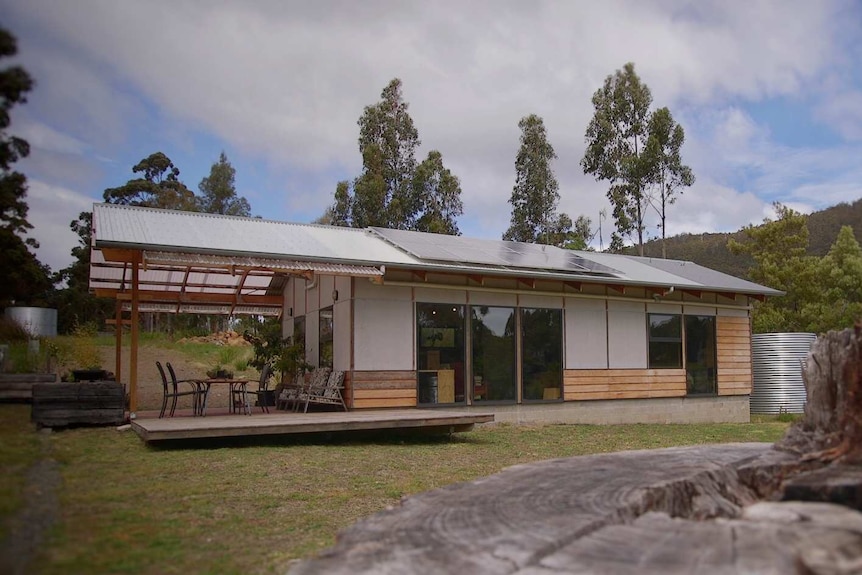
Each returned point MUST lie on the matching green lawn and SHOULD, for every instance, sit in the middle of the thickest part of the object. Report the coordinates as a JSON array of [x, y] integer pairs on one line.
[[253, 506]]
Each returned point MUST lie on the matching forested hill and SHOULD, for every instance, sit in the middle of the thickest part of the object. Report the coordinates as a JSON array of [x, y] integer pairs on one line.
[[710, 250]]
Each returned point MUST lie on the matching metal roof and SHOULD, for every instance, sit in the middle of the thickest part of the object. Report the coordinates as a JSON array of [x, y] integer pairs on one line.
[[235, 259], [116, 226]]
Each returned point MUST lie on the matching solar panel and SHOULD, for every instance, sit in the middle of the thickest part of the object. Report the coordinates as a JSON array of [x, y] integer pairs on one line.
[[457, 249]]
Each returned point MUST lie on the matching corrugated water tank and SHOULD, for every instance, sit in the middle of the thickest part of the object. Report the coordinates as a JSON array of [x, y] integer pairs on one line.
[[38, 321], [777, 364]]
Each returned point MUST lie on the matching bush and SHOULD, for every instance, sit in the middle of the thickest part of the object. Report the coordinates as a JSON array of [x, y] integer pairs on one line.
[[11, 331]]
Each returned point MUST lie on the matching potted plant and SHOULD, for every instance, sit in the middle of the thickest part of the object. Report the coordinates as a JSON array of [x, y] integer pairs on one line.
[[224, 358]]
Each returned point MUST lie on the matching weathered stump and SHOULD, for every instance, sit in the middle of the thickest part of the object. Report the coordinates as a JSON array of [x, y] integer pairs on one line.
[[832, 426], [91, 403]]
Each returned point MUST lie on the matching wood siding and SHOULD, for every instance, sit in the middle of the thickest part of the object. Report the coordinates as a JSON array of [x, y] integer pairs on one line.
[[370, 389], [586, 384], [733, 345]]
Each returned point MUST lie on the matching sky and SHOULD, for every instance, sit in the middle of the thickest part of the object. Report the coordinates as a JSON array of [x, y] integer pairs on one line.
[[769, 95]]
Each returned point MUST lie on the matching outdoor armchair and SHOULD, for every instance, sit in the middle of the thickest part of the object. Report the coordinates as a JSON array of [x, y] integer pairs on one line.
[[262, 391]]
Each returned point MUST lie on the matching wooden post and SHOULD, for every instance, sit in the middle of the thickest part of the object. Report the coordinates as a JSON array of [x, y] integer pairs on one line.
[[133, 353], [118, 339]]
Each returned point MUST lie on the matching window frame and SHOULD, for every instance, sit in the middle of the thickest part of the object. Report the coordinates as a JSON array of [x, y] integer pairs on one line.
[[678, 340]]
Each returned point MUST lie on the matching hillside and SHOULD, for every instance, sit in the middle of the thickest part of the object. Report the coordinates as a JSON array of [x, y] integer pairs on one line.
[[710, 250]]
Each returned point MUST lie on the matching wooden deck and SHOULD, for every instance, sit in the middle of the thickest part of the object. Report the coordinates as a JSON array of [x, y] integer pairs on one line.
[[286, 423]]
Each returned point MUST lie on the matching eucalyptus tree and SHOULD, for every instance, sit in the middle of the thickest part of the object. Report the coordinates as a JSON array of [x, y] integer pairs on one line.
[[218, 191], [159, 186], [438, 195], [394, 191], [616, 137], [669, 174], [536, 194]]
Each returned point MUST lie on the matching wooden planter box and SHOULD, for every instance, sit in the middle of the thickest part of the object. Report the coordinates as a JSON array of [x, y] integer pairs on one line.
[[87, 403]]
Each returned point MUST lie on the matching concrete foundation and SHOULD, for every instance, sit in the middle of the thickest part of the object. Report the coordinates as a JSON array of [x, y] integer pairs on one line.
[[722, 409]]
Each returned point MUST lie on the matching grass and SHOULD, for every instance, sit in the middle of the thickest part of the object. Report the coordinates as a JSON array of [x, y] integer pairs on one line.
[[252, 506]]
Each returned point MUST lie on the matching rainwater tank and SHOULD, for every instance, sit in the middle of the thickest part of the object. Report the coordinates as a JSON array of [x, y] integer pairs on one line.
[[777, 365], [38, 321]]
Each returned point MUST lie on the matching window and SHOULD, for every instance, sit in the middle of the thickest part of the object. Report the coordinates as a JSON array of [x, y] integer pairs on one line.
[[494, 353], [665, 341], [440, 353], [325, 339], [700, 354], [542, 353]]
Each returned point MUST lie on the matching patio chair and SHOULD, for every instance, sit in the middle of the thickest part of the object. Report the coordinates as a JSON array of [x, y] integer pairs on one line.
[[316, 384], [329, 394], [262, 391], [172, 391], [197, 404]]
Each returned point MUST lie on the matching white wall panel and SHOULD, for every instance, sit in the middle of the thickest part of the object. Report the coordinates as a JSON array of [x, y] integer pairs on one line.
[[493, 299], [730, 312], [431, 295], [586, 334], [627, 335], [670, 308], [367, 290], [312, 337], [698, 310], [325, 286], [298, 297], [341, 339], [383, 336], [540, 301]]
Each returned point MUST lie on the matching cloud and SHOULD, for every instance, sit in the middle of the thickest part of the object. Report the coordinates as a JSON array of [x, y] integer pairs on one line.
[[284, 84], [52, 208]]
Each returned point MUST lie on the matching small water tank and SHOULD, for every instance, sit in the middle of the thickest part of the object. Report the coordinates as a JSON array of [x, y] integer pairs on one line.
[[777, 369], [38, 321]]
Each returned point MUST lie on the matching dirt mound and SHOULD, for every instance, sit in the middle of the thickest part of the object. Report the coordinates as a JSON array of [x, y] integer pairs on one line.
[[230, 338]]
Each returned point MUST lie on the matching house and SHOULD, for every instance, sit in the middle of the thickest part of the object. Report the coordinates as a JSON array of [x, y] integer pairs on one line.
[[528, 332]]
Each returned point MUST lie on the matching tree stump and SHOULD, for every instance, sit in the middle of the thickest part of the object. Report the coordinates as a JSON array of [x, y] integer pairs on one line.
[[702, 509]]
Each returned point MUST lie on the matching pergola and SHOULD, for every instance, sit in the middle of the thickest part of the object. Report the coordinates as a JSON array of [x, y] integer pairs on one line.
[[211, 269]]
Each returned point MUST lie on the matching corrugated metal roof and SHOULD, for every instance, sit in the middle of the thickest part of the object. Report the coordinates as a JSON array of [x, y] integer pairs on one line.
[[168, 230], [190, 240]]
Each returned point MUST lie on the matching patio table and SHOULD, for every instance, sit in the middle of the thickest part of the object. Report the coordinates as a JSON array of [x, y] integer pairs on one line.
[[233, 385]]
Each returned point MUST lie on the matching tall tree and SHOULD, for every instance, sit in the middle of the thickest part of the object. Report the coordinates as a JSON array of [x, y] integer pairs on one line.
[[535, 194], [616, 137], [778, 248], [669, 174], [392, 190], [387, 141], [218, 191], [159, 187], [75, 304], [25, 280], [438, 194], [837, 295]]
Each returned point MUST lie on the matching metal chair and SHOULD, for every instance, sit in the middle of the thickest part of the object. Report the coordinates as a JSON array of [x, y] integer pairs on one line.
[[171, 391], [197, 405], [261, 392]]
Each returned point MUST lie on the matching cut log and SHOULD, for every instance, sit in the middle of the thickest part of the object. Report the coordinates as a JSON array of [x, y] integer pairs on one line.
[[529, 518]]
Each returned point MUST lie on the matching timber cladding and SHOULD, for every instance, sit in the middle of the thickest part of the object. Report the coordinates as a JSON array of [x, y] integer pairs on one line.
[[371, 389], [586, 384], [733, 345]]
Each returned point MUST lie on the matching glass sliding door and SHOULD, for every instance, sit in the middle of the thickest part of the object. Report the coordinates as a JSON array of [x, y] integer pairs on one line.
[[700, 354], [440, 353], [494, 355], [542, 354]]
